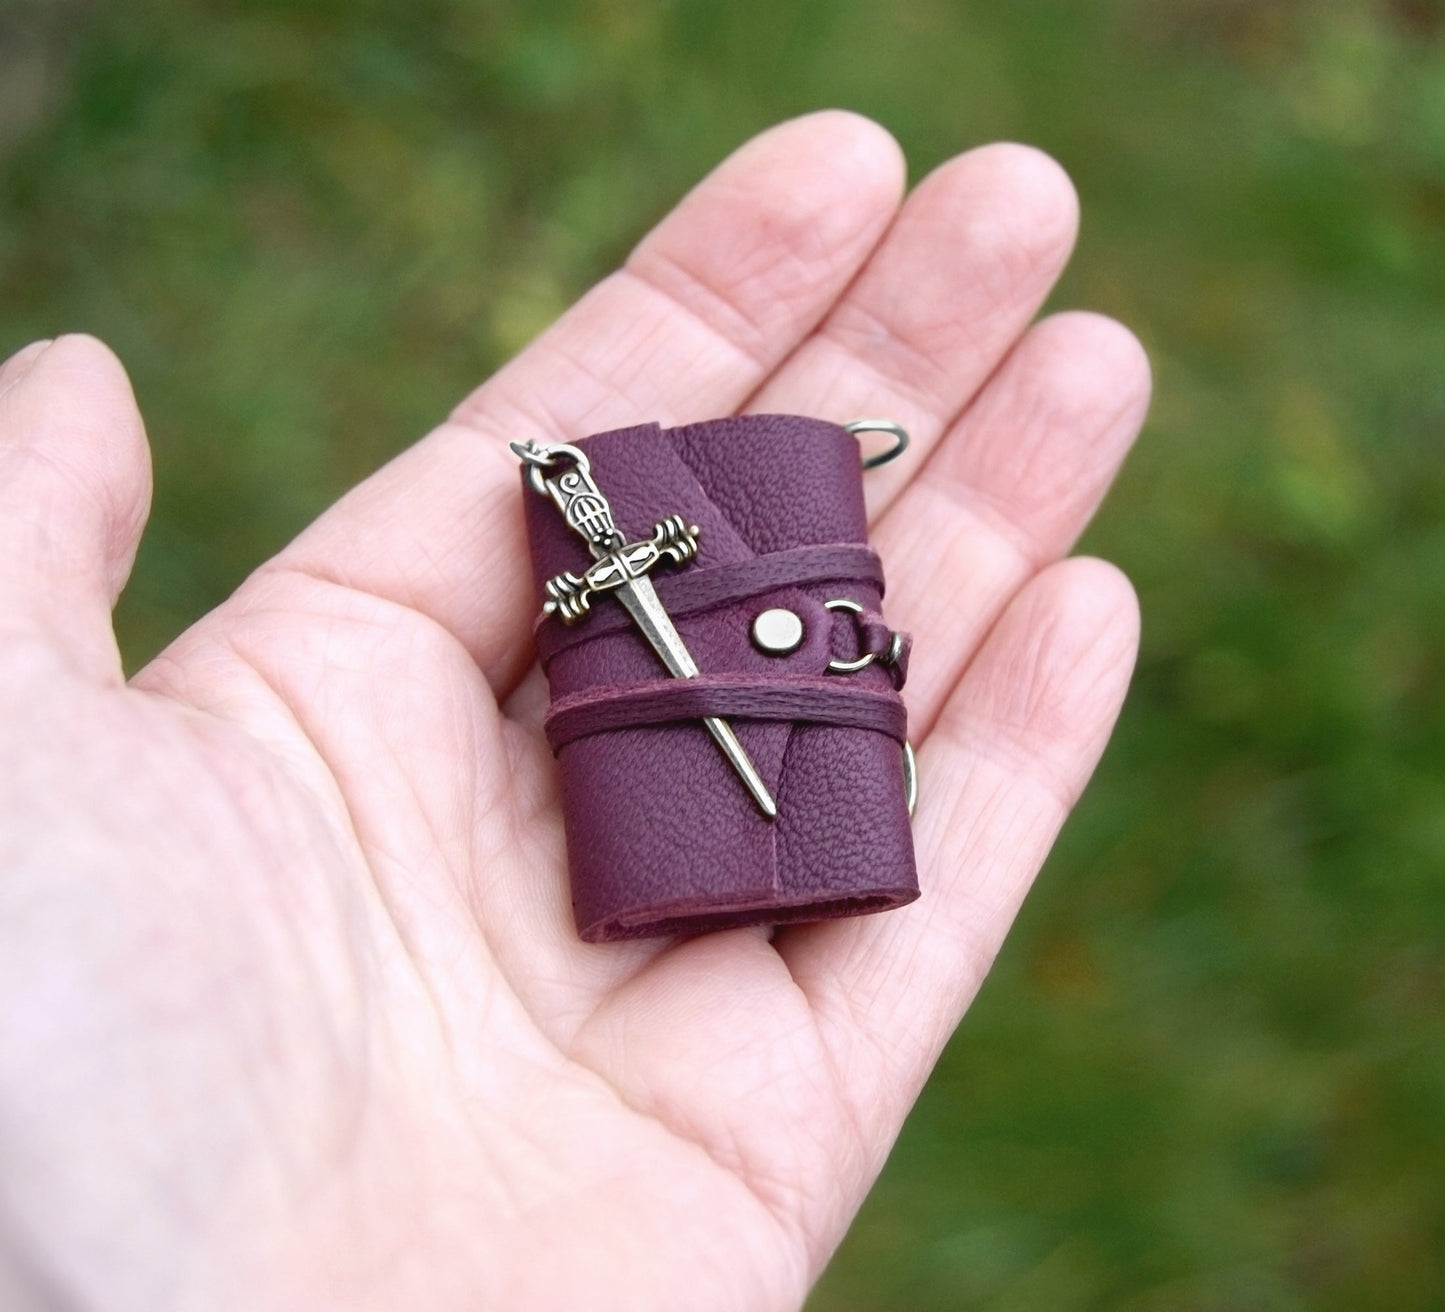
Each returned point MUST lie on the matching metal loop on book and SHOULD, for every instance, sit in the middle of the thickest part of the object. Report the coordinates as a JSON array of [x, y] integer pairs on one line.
[[896, 431], [545, 459], [837, 665], [889, 656]]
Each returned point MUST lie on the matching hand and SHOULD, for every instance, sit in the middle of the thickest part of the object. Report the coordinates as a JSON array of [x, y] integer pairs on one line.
[[292, 1010]]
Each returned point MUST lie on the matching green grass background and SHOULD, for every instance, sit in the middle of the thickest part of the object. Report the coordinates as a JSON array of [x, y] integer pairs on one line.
[[1208, 1071]]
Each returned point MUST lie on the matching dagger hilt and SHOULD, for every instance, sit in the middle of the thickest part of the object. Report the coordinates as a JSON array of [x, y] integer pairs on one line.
[[672, 542], [564, 473]]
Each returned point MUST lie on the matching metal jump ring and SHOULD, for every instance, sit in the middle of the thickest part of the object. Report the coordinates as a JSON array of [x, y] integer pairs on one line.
[[539, 458], [898, 432], [836, 666]]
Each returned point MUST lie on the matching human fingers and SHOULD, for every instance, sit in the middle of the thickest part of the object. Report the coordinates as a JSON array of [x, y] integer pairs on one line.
[[74, 493], [1012, 749], [961, 273], [704, 309], [1007, 492]]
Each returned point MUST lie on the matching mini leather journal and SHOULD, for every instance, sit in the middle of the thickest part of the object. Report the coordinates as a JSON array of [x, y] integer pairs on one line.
[[725, 694]]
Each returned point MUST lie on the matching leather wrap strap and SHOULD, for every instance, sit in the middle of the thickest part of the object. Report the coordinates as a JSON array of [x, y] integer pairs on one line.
[[692, 592], [808, 701]]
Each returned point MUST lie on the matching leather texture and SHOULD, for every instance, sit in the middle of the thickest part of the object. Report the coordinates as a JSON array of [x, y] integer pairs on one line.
[[662, 837]]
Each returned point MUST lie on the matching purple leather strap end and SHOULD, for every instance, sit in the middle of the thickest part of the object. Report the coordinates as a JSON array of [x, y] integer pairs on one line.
[[662, 837]]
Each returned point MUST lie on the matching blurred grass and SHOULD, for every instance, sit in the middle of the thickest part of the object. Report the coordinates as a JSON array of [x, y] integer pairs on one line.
[[1208, 1072]]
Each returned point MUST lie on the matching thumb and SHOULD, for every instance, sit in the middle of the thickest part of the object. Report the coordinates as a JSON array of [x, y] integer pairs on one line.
[[74, 492]]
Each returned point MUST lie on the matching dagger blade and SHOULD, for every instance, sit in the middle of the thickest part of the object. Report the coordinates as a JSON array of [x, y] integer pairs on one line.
[[646, 609]]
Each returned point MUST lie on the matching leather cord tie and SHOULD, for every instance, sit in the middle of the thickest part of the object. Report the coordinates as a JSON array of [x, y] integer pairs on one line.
[[693, 591], [824, 700]]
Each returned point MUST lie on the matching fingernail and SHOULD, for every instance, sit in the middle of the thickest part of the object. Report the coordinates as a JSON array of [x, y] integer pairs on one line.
[[21, 363]]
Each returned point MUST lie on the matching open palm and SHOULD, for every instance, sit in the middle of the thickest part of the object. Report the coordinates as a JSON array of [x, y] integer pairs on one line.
[[292, 1010]]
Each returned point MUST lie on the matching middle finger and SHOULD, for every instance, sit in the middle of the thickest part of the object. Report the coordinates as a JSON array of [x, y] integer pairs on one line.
[[968, 262]]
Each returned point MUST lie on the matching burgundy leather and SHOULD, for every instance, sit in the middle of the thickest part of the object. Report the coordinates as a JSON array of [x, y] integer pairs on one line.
[[662, 836]]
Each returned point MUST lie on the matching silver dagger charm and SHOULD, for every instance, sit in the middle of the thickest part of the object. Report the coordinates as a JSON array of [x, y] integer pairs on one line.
[[563, 473]]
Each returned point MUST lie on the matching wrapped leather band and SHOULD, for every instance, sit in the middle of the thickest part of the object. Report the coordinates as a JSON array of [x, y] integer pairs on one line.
[[695, 591], [808, 701]]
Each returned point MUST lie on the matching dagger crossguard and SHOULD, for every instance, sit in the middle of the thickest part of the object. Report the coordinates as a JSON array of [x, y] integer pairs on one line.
[[672, 542]]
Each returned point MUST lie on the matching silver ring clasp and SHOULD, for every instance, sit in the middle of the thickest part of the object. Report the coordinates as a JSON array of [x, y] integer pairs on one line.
[[896, 431], [889, 656], [837, 665]]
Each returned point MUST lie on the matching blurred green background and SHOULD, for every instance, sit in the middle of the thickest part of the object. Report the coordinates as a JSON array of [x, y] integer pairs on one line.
[[1209, 1070]]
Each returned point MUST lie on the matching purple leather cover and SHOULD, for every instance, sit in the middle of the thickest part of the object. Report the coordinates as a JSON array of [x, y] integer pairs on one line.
[[662, 837]]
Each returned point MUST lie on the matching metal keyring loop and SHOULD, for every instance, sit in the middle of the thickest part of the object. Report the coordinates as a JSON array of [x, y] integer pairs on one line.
[[910, 777], [836, 666], [539, 458], [898, 432]]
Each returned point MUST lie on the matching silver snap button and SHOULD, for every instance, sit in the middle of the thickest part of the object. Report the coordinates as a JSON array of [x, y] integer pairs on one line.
[[777, 632]]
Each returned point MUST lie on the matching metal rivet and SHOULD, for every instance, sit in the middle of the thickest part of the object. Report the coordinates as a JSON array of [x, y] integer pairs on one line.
[[777, 632]]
